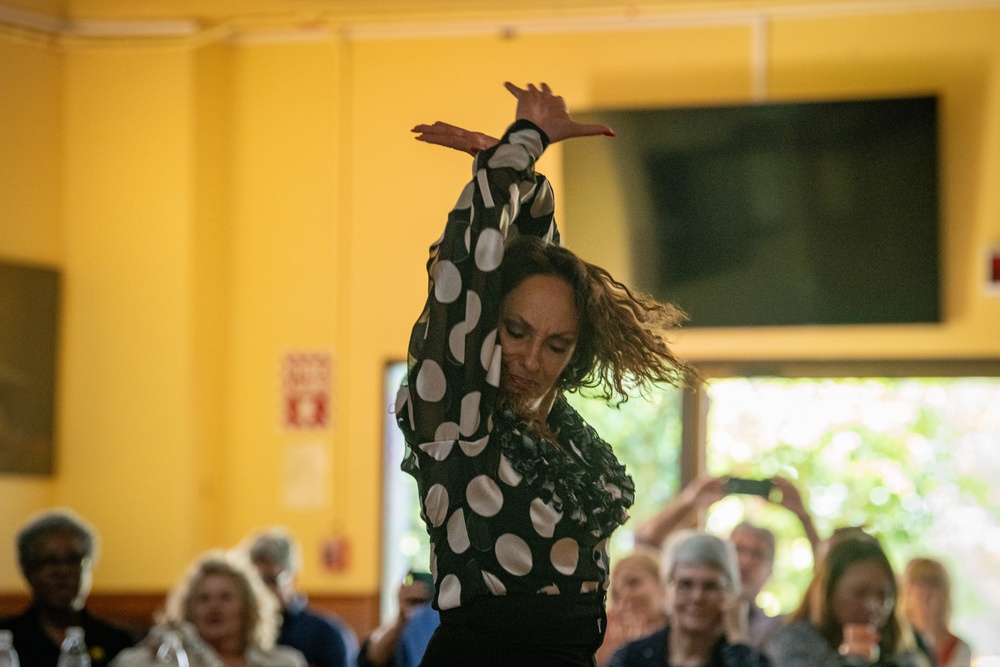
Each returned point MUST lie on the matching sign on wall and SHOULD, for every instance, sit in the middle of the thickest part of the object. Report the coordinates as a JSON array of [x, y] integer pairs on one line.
[[306, 402]]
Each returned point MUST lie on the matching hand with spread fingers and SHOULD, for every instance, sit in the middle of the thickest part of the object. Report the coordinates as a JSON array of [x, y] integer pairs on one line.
[[548, 111]]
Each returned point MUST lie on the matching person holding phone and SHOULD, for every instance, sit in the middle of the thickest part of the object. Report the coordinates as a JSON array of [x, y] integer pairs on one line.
[[755, 545]]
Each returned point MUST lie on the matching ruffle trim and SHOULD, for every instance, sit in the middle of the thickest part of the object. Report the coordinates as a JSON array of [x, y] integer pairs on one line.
[[594, 489]]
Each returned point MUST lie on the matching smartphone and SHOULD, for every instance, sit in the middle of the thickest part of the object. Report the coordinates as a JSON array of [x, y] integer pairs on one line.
[[752, 487]]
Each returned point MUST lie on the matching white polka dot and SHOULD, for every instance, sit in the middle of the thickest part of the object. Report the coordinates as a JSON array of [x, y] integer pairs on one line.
[[513, 554], [489, 250], [456, 342], [528, 138], [436, 504], [506, 472], [475, 447], [465, 199], [544, 517], [473, 309], [402, 396], [438, 450], [470, 413], [447, 281], [458, 536], [468, 238], [484, 496], [601, 555], [496, 363], [446, 431], [494, 584], [551, 589], [449, 592], [565, 555], [434, 563], [589, 587], [508, 155], [430, 381], [544, 203], [486, 353]]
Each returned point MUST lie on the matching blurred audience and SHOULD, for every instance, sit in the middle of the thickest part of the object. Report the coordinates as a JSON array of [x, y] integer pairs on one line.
[[402, 641], [755, 545], [225, 615], [324, 639], [707, 617], [848, 615], [926, 602], [56, 551], [637, 605]]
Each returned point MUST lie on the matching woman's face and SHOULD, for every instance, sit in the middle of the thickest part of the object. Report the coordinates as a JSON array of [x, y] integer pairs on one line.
[[538, 330], [925, 605], [864, 595], [698, 598], [217, 609], [636, 590]]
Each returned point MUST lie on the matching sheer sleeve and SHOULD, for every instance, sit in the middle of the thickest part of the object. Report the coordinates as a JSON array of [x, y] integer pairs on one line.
[[453, 366]]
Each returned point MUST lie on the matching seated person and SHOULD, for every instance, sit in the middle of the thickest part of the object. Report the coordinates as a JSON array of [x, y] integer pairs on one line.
[[401, 642], [226, 617], [848, 614], [926, 602], [636, 605], [755, 545], [56, 552], [324, 639], [707, 619]]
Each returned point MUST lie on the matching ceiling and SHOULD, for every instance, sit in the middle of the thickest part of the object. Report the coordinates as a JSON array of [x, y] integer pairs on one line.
[[217, 11]]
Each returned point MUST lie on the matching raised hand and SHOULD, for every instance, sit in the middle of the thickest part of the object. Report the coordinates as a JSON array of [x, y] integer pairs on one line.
[[548, 111], [452, 136]]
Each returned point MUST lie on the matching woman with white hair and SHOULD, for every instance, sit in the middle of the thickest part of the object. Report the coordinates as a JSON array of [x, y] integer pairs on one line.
[[707, 624], [225, 616]]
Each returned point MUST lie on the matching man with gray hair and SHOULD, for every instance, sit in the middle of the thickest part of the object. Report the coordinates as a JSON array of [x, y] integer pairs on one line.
[[55, 551], [325, 640]]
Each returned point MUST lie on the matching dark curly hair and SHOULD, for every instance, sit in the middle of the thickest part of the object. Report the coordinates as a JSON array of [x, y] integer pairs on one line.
[[620, 347]]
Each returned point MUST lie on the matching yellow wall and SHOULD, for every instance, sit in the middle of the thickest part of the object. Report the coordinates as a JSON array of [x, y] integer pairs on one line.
[[216, 203]]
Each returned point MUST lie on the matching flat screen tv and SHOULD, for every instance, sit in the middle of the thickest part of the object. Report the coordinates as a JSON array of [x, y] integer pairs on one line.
[[815, 213]]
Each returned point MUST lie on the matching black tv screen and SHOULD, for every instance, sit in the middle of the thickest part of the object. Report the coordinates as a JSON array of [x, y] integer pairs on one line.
[[818, 213]]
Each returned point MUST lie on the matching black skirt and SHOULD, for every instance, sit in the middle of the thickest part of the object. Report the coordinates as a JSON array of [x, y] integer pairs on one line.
[[502, 631]]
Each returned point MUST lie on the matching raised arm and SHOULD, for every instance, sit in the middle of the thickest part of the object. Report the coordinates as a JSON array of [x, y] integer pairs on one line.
[[791, 500], [697, 495]]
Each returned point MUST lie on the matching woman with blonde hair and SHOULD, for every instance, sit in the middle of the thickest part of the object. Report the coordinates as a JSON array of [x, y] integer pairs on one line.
[[637, 605], [926, 602], [224, 616]]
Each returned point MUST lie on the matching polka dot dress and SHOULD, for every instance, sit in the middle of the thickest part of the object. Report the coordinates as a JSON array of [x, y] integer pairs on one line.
[[507, 511]]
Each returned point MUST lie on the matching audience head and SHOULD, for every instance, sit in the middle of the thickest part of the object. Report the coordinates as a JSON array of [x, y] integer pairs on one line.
[[755, 554], [701, 576], [926, 595], [55, 551], [416, 590], [853, 584], [635, 584], [224, 599], [278, 560]]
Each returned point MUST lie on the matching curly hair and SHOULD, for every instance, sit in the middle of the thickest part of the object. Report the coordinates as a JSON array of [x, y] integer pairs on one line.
[[620, 347], [260, 608]]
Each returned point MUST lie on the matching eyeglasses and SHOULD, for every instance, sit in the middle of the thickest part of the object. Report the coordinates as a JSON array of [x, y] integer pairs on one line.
[[685, 586], [76, 560]]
